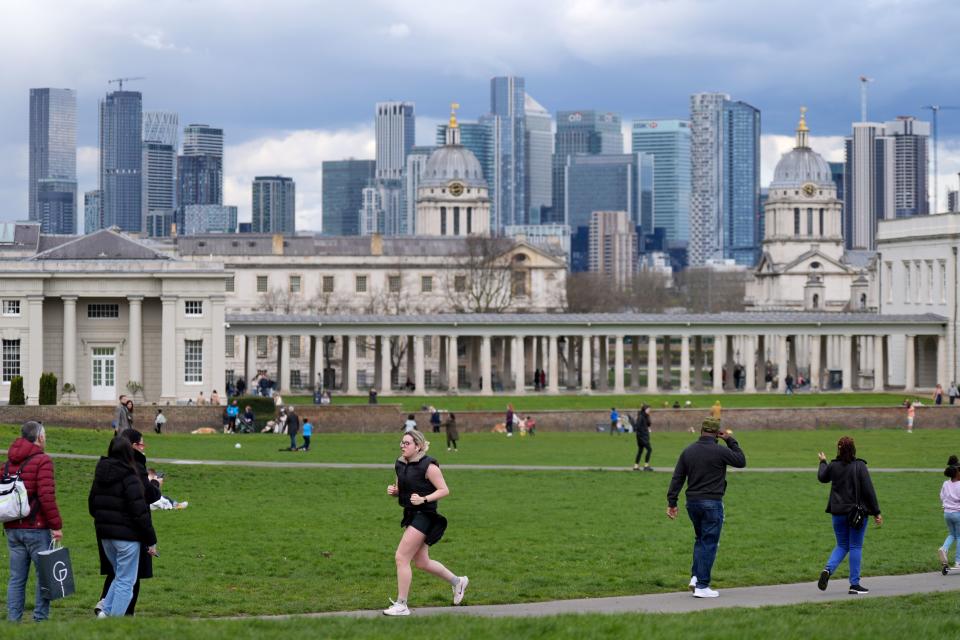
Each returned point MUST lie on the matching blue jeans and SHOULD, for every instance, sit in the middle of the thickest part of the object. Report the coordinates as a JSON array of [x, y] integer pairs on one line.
[[24, 545], [849, 540], [124, 557], [293, 440], [707, 519], [953, 532]]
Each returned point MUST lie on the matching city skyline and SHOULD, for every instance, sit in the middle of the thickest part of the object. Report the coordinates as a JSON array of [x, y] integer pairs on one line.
[[641, 61]]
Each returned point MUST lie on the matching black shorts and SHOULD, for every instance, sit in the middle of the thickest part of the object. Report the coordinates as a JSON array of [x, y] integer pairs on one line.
[[430, 523]]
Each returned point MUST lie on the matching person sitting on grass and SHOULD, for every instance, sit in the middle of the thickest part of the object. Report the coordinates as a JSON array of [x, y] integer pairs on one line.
[[531, 426], [163, 503]]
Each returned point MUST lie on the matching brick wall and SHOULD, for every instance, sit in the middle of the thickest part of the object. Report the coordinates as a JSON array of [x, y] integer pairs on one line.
[[386, 418]]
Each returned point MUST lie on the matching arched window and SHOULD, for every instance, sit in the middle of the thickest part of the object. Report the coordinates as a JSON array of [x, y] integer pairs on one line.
[[863, 301], [796, 221], [816, 301]]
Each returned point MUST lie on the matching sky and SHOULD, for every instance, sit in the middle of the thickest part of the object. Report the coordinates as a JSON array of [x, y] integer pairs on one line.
[[294, 82]]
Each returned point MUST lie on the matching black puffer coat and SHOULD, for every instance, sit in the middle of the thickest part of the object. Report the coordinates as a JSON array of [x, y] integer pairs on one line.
[[151, 492], [117, 503]]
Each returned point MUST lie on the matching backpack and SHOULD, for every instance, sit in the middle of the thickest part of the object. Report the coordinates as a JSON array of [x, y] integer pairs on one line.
[[14, 501]]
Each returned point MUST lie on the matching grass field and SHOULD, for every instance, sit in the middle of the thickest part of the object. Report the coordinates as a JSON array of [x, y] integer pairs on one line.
[[925, 449], [543, 402]]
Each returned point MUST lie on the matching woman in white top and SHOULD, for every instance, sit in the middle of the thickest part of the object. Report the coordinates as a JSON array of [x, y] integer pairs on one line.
[[950, 497]]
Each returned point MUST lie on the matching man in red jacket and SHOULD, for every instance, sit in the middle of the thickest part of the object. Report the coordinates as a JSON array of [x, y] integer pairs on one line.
[[31, 535]]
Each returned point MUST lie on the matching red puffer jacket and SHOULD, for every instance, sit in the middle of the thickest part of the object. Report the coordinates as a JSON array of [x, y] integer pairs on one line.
[[37, 476]]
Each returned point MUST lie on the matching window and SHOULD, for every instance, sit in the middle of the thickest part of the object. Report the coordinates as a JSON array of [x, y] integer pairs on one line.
[[929, 281], [393, 284], [906, 281], [362, 378], [823, 231], [193, 362], [103, 310], [262, 284], [261, 346], [294, 284], [943, 281], [428, 346], [456, 221], [428, 378], [443, 221], [918, 271], [231, 347], [816, 301], [460, 284], [296, 381], [361, 284], [11, 307], [361, 347], [231, 284], [809, 222], [519, 283], [328, 284], [193, 308], [469, 220], [11, 359], [295, 346], [796, 221], [426, 284], [889, 279]]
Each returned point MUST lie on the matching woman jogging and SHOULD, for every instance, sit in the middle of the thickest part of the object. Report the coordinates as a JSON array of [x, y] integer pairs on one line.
[[642, 428], [852, 499], [950, 497], [419, 486]]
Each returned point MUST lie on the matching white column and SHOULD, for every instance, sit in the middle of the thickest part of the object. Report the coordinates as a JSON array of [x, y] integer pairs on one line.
[[419, 369], [386, 365], [719, 347], [879, 374], [168, 358], [69, 340], [486, 384], [319, 363], [847, 363], [750, 363], [698, 363], [618, 364], [218, 346], [815, 365], [453, 381], [603, 365], [350, 370], [634, 362], [35, 350], [911, 365], [586, 364], [553, 366], [570, 381], [942, 361], [684, 364], [782, 363], [651, 364], [251, 364], [135, 339], [284, 372], [516, 363]]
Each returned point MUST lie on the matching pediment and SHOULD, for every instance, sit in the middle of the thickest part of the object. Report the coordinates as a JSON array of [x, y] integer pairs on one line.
[[828, 265], [105, 244]]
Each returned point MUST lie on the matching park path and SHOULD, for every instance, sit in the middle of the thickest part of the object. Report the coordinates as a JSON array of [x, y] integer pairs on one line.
[[681, 602], [465, 467]]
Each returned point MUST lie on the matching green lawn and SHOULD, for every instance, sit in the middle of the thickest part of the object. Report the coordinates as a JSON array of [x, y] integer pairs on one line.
[[925, 448], [922, 616], [543, 402]]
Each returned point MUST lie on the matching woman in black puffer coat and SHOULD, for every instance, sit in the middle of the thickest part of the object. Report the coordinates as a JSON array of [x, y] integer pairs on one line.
[[121, 516]]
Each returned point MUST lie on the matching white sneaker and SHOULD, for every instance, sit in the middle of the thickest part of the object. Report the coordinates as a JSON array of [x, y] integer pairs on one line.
[[396, 609], [98, 608], [460, 589], [693, 583], [706, 592], [102, 614]]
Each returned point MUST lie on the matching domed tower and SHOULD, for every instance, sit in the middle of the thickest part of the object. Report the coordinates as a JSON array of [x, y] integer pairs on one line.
[[452, 198]]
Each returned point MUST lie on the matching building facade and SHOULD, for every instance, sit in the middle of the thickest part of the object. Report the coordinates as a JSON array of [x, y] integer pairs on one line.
[[121, 160], [343, 184], [159, 184], [538, 154], [668, 141], [613, 246], [580, 132], [274, 205], [206, 218], [162, 127], [52, 177], [507, 102]]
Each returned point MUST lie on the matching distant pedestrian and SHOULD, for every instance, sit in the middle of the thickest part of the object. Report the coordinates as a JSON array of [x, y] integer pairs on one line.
[[531, 425], [372, 396], [852, 499], [641, 427], [452, 434], [911, 413], [703, 466], [509, 420], [435, 420], [293, 427], [715, 410], [788, 383], [241, 386], [614, 420], [938, 395], [950, 498], [410, 424], [121, 418], [953, 392], [159, 421], [307, 434]]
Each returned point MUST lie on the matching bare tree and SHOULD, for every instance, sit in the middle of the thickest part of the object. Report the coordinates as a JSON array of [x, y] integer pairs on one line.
[[704, 290], [482, 280], [281, 301], [644, 292]]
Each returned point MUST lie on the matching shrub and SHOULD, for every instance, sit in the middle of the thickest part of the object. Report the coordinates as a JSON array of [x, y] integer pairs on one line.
[[16, 391], [48, 388]]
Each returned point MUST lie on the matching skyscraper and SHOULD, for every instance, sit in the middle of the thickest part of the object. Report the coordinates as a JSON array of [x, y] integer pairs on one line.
[[207, 218], [538, 154], [370, 213], [162, 127], [199, 180], [158, 183], [416, 161], [911, 140], [53, 160], [274, 205], [668, 141], [590, 132], [395, 128], [725, 180], [121, 160], [867, 173], [343, 184], [507, 100], [202, 140], [92, 211], [613, 245]]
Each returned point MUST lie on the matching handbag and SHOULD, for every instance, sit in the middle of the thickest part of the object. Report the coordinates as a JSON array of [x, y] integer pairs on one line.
[[55, 572], [858, 514]]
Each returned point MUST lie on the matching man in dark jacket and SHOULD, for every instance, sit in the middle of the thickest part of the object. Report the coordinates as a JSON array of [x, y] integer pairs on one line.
[[703, 466], [293, 427], [28, 537]]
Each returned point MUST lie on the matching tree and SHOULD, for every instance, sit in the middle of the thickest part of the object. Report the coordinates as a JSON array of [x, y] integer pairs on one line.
[[704, 290], [48, 388], [482, 281], [16, 391], [644, 292]]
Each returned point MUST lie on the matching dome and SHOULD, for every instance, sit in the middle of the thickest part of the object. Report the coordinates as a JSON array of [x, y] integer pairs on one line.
[[800, 166], [452, 162]]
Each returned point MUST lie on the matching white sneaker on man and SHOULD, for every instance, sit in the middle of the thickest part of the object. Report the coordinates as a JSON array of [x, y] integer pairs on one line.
[[706, 592], [693, 583], [396, 609], [460, 588]]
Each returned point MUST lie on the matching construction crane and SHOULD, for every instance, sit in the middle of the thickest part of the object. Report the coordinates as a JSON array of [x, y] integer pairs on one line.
[[936, 109], [863, 97], [120, 81]]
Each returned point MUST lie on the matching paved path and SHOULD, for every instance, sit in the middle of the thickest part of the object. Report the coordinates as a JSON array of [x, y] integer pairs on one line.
[[466, 467], [751, 597]]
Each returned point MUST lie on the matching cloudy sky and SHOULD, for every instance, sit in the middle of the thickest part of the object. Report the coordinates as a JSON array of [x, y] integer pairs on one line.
[[293, 82]]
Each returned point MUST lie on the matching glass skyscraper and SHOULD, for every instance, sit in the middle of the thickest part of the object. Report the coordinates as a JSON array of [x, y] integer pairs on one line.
[[274, 205], [591, 132], [121, 160], [343, 185], [159, 184], [668, 141], [52, 197], [199, 179], [538, 174], [162, 127], [741, 183], [507, 99]]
